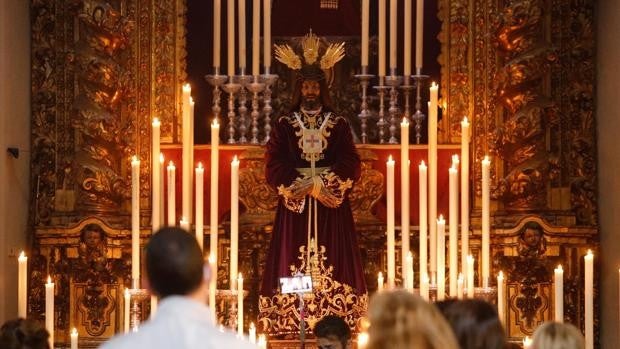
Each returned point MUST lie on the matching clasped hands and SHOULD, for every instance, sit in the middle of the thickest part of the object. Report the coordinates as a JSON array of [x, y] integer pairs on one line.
[[314, 187]]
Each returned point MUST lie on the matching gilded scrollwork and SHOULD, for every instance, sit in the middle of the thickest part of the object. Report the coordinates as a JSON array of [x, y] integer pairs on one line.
[[367, 191]]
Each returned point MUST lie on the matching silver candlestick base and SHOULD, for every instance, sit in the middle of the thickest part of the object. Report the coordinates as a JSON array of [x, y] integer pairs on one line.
[[364, 114], [231, 89], [418, 117], [269, 80], [381, 90], [216, 80], [255, 88], [243, 80], [393, 81]]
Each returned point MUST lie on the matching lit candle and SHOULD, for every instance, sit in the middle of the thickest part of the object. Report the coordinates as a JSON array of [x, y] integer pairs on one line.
[[470, 277], [217, 19], [486, 216], [464, 194], [393, 35], [230, 37], [382, 19], [213, 286], [135, 221], [404, 197], [234, 218], [162, 179], [362, 340], [589, 300], [419, 34], [213, 221], [424, 287], [380, 282], [252, 333], [126, 309], [186, 169], [365, 31], [432, 176], [454, 227], [155, 176], [171, 195], [501, 298], [184, 224], [240, 305], [407, 43], [391, 257], [459, 287], [242, 51], [527, 343], [559, 293], [200, 201], [267, 35], [49, 309], [441, 258], [262, 342], [255, 37], [22, 285], [74, 338], [409, 272], [423, 218]]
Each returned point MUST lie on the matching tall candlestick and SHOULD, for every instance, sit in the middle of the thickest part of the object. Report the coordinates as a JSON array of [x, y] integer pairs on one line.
[[242, 51], [407, 40], [171, 195], [155, 176], [382, 19], [404, 198], [460, 287], [74, 338], [441, 258], [470, 277], [49, 309], [454, 227], [234, 218], [240, 305], [162, 179], [135, 221], [464, 194], [22, 286], [217, 36], [391, 257], [200, 200], [501, 298], [252, 333], [419, 34], [486, 217], [423, 218], [424, 287], [255, 37], [126, 310], [559, 293], [188, 147], [230, 38], [380, 282], [393, 34], [213, 222], [589, 299], [432, 176], [365, 31], [267, 35], [213, 285], [409, 272]]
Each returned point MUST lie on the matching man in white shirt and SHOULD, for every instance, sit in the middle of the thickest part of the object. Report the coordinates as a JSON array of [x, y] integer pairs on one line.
[[178, 275]]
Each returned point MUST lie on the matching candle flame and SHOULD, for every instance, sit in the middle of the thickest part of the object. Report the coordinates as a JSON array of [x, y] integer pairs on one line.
[[380, 275], [49, 279], [156, 122], [440, 219], [239, 276], [187, 87], [434, 85], [470, 258], [390, 159], [211, 258], [589, 252], [405, 122], [235, 160], [455, 160], [126, 292], [486, 159], [500, 276], [527, 342], [161, 158], [200, 165], [362, 340], [22, 255], [465, 121], [409, 255], [423, 164], [252, 325], [215, 123], [134, 159], [559, 268], [74, 332], [191, 100], [171, 165]]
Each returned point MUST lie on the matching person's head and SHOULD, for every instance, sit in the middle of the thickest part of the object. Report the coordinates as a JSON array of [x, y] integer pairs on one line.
[[174, 263], [475, 324], [332, 332], [400, 319], [92, 235], [23, 334], [311, 90], [555, 335]]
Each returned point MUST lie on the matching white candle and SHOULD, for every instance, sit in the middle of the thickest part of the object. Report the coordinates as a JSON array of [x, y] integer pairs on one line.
[[365, 31], [527, 342], [234, 218], [470, 277], [22, 286], [267, 35], [454, 227], [501, 297], [362, 340], [255, 37], [49, 309], [184, 224], [404, 198], [74, 338], [230, 38], [432, 176], [393, 33], [135, 221], [424, 287], [589, 300], [382, 18], [217, 19], [155, 176], [240, 305], [407, 39], [242, 51], [262, 342], [186, 170], [162, 179], [252, 333], [558, 274], [171, 195], [464, 194], [459, 287], [213, 286], [419, 34], [409, 272], [391, 257], [154, 304], [126, 310], [423, 218], [380, 282], [200, 200], [213, 221], [441, 258], [486, 217]]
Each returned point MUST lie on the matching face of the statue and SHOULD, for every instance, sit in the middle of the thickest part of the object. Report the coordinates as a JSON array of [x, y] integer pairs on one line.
[[310, 93], [329, 342]]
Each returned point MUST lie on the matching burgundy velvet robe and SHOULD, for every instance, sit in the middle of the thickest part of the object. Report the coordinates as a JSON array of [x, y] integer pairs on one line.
[[335, 225]]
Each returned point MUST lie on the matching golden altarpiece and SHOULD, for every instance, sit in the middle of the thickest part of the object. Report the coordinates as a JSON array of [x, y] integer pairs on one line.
[[522, 70]]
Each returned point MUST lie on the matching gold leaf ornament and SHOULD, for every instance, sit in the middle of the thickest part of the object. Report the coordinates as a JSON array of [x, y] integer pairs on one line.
[[310, 45], [286, 55], [333, 54]]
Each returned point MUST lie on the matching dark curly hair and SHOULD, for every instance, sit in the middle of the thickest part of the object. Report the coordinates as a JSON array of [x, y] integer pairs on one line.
[[23, 334]]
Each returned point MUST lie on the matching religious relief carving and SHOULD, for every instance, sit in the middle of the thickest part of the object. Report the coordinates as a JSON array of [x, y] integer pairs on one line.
[[367, 191], [260, 200]]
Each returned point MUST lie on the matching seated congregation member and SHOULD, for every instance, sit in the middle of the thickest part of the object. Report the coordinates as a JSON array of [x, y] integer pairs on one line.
[[475, 323], [555, 335], [402, 320], [332, 332], [23, 334], [177, 273]]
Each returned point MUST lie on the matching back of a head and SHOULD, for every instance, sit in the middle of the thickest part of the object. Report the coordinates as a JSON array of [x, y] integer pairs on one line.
[[475, 324], [333, 326], [555, 335], [23, 334], [174, 262], [400, 320]]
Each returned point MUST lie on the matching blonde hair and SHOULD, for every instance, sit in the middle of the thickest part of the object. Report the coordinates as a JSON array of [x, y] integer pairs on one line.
[[555, 335], [400, 319]]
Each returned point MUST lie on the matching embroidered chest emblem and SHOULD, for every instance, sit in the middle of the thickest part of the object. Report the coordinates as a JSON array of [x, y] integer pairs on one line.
[[312, 140]]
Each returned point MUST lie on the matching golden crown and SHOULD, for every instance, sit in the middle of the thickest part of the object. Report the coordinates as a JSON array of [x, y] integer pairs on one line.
[[310, 46]]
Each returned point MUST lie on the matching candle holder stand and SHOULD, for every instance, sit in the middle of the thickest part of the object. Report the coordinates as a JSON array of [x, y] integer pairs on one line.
[[216, 80], [244, 81], [364, 114], [255, 88], [418, 117], [231, 88], [407, 88], [137, 311], [269, 80], [381, 89], [393, 81]]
